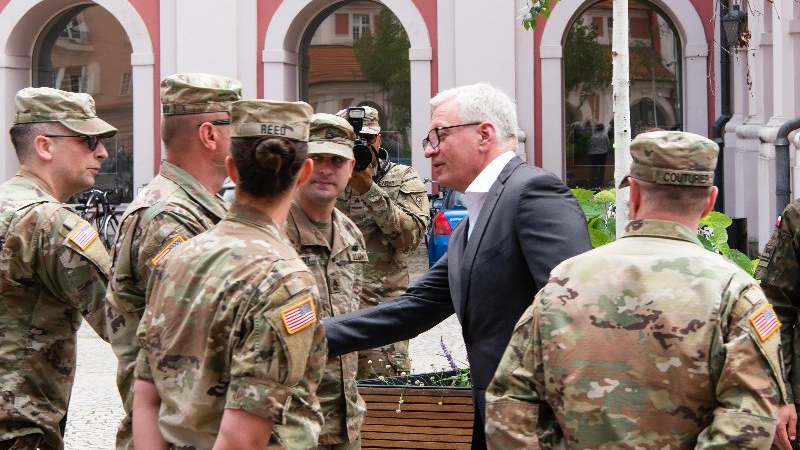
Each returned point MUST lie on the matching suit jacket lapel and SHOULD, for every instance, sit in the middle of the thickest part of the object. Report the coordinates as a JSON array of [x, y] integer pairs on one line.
[[474, 242], [455, 254]]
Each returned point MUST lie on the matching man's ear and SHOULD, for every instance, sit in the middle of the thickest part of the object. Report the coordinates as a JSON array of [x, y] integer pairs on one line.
[[635, 200], [305, 172], [208, 136], [488, 135], [43, 148]]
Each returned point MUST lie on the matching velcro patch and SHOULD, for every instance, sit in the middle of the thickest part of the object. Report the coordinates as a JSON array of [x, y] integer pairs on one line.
[[299, 316], [83, 235], [765, 322], [166, 250]]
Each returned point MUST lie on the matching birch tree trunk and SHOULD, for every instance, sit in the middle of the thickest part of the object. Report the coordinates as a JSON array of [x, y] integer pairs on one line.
[[622, 118]]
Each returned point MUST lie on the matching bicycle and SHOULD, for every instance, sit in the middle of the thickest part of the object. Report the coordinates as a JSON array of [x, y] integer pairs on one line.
[[100, 212]]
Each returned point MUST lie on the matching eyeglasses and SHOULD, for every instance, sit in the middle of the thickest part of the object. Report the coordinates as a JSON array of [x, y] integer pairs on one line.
[[91, 141], [216, 122], [434, 138]]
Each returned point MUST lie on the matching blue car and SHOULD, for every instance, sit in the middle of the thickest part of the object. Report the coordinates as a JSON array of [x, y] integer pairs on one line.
[[449, 211]]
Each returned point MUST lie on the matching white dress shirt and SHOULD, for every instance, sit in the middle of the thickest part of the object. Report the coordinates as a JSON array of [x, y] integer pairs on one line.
[[476, 192]]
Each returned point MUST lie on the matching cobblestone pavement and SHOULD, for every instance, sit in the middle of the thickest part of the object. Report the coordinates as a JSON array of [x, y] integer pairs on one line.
[[95, 408]]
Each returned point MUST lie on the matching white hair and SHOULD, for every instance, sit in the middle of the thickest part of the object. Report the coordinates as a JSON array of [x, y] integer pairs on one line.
[[483, 102]]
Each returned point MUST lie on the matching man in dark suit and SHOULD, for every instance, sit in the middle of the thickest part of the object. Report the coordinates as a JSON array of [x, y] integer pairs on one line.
[[523, 221]]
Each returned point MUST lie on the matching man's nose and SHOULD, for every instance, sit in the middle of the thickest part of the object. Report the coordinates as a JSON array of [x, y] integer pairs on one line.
[[430, 150], [100, 152]]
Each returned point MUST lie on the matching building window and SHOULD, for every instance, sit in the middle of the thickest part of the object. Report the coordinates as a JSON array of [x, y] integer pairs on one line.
[[342, 23], [655, 88], [125, 85], [360, 25], [70, 58], [75, 30]]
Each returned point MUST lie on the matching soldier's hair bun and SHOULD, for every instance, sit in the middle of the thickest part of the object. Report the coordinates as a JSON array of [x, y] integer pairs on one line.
[[273, 154], [267, 166]]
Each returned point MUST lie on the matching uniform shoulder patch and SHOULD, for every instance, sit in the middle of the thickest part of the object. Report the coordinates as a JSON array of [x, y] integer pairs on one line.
[[83, 235], [299, 316], [166, 250], [765, 322]]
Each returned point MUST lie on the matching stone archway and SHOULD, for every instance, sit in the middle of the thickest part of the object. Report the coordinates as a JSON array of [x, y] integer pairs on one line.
[[282, 43], [694, 50], [20, 24]]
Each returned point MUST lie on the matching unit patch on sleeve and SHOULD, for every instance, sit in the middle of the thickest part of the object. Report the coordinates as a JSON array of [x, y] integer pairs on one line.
[[765, 322], [83, 235], [299, 316], [166, 250]]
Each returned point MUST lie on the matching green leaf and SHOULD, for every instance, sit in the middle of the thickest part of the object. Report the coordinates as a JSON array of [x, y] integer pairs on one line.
[[598, 238], [582, 194], [592, 209], [743, 261]]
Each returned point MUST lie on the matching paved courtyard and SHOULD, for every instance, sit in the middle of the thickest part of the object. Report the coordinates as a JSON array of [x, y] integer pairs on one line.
[[95, 408]]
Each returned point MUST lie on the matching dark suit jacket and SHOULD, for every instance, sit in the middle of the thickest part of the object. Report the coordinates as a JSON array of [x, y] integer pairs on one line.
[[529, 223]]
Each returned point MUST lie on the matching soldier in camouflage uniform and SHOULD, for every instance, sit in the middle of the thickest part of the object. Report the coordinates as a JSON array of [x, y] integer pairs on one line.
[[778, 271], [232, 346], [389, 204], [180, 202], [650, 341], [53, 266], [333, 248]]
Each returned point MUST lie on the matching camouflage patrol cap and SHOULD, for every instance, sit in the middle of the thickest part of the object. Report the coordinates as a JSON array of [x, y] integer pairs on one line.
[[197, 93], [260, 118], [74, 110], [331, 134], [673, 158], [371, 124]]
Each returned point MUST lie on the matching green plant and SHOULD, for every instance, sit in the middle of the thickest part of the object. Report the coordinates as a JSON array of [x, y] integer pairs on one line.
[[600, 207]]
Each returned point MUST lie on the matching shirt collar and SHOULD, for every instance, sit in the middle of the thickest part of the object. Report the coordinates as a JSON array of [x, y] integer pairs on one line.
[[662, 229], [484, 181]]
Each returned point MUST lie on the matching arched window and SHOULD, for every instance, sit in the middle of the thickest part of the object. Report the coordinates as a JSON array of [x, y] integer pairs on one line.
[[355, 54], [85, 49], [655, 87]]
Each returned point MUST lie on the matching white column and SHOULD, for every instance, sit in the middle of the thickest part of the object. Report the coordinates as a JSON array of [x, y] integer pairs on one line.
[[446, 26], [280, 75], [695, 63], [552, 100], [524, 57], [144, 164], [734, 183], [420, 60], [15, 74]]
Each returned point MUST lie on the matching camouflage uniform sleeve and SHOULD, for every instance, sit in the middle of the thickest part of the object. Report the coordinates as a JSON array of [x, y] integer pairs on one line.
[[518, 385], [405, 220], [745, 367], [275, 364], [779, 272], [74, 265]]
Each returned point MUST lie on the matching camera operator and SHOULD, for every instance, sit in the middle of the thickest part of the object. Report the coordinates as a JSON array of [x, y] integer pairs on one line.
[[389, 203]]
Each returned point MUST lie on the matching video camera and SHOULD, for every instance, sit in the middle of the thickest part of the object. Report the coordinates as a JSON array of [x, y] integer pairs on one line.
[[361, 150]]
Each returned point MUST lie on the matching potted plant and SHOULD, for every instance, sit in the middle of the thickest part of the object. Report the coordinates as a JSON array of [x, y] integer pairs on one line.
[[419, 411]]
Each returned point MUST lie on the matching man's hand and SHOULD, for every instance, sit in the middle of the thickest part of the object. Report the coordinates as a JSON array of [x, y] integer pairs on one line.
[[787, 427], [362, 181]]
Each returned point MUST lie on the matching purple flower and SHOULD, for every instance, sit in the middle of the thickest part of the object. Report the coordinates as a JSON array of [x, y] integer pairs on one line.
[[447, 354]]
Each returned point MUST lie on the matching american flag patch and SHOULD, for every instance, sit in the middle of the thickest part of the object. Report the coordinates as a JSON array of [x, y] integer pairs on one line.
[[299, 316], [765, 322], [165, 251], [83, 236]]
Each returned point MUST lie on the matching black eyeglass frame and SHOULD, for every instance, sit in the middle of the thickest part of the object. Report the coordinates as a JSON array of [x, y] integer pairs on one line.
[[91, 141], [435, 131], [216, 122]]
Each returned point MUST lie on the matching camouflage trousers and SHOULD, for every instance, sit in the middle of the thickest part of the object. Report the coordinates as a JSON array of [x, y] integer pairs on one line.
[[29, 442], [390, 361], [355, 445]]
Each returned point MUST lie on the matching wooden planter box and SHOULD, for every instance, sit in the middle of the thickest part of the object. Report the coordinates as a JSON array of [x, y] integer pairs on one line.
[[429, 417]]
